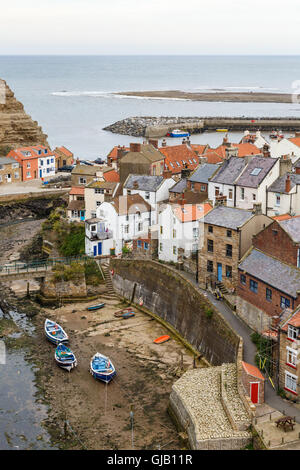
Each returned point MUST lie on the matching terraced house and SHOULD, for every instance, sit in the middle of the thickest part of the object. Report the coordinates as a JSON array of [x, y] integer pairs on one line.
[[289, 350], [10, 172], [35, 162]]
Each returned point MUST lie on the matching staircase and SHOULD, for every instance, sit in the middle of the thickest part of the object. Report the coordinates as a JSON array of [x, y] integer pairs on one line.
[[110, 293], [222, 288]]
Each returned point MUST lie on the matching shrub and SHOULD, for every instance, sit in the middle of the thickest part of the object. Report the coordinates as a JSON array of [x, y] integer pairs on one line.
[[208, 312]]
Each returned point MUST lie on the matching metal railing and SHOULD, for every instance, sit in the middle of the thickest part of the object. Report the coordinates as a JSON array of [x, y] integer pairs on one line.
[[38, 265]]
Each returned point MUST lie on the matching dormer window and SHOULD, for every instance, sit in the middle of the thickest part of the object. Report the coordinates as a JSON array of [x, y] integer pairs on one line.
[[292, 332], [46, 151]]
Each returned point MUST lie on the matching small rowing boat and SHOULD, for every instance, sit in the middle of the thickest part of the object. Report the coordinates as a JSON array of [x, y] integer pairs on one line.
[[55, 333], [125, 313], [96, 307], [102, 368], [64, 357], [161, 339]]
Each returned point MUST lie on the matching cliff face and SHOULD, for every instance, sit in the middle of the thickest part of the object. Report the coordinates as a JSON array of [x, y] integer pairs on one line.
[[16, 127]]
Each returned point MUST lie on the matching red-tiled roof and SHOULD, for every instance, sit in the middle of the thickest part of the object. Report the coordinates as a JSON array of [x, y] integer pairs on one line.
[[33, 152], [198, 148], [111, 176], [243, 150], [77, 190], [295, 140], [178, 157], [294, 320], [65, 151], [191, 212], [212, 156], [252, 370], [114, 152]]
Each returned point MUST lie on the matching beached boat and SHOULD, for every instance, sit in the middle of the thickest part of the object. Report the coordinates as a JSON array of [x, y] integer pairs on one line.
[[161, 339], [222, 130], [96, 307], [55, 333], [102, 368], [179, 133], [125, 313], [64, 357]]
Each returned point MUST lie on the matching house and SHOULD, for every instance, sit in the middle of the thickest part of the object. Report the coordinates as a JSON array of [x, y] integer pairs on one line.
[[179, 231], [283, 196], [244, 181], [228, 149], [227, 235], [142, 159], [97, 192], [146, 245], [10, 171], [179, 157], [284, 146], [85, 174], [256, 139], [63, 157], [266, 287], [289, 369], [114, 156], [116, 223], [153, 189], [76, 206], [198, 181], [111, 176], [35, 162]]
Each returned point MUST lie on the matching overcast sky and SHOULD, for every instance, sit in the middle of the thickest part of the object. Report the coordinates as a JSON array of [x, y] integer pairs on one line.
[[150, 27]]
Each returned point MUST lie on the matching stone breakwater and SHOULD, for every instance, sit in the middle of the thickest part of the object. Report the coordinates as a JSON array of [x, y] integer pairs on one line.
[[149, 126]]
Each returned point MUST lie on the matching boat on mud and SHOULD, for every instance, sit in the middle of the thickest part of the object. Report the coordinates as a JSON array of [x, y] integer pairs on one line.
[[96, 307], [64, 357], [125, 313], [102, 368], [55, 333], [161, 339]]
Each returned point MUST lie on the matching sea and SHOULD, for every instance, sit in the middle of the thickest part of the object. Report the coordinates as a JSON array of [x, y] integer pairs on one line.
[[71, 96]]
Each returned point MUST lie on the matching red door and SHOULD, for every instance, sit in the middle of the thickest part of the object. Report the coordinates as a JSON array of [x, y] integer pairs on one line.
[[254, 392]]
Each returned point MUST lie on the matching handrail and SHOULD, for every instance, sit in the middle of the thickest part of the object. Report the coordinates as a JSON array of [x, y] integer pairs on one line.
[[21, 266]]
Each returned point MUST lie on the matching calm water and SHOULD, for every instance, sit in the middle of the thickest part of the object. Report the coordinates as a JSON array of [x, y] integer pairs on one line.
[[70, 95]]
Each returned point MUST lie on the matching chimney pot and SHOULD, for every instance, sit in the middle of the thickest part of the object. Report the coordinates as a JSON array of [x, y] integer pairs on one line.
[[288, 184]]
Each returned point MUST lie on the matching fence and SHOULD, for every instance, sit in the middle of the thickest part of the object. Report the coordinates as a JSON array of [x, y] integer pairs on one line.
[[38, 265]]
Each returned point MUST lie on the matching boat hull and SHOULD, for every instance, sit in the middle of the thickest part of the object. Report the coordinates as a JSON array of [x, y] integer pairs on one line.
[[105, 374], [103, 377], [183, 134], [96, 307], [60, 335], [66, 365]]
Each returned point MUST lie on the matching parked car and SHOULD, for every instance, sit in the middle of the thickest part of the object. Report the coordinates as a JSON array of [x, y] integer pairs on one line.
[[67, 168], [99, 161]]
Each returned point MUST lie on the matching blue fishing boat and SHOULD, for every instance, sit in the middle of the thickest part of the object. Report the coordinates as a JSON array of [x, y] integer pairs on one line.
[[179, 133], [96, 307], [125, 313], [64, 357], [102, 368], [55, 333]]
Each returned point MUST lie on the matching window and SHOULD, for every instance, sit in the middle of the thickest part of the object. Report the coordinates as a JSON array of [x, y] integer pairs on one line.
[[128, 191], [82, 180], [291, 356], [243, 279], [230, 194], [269, 294], [16, 175], [242, 193], [210, 229], [99, 191], [292, 332], [298, 258], [291, 382], [229, 233], [160, 247], [210, 246], [15, 165], [147, 195], [139, 244], [146, 245], [195, 232], [277, 200], [140, 227], [174, 250], [127, 217], [161, 229], [28, 165], [93, 228], [98, 203], [74, 214], [255, 171], [126, 229], [203, 187], [229, 271], [284, 302], [217, 191], [253, 286], [174, 233], [253, 197], [229, 251], [93, 215], [210, 266], [28, 174]]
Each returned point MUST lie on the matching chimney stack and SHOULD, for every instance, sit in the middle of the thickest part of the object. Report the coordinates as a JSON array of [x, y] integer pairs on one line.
[[231, 151], [285, 165], [288, 184], [153, 142], [257, 208], [164, 143], [135, 147], [182, 201], [266, 151], [135, 185], [77, 161]]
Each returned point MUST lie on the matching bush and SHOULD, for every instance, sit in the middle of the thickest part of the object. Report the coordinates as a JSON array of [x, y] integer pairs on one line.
[[208, 312], [93, 275], [63, 272], [73, 243]]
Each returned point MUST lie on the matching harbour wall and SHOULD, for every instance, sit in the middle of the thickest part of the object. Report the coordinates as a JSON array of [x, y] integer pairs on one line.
[[176, 301]]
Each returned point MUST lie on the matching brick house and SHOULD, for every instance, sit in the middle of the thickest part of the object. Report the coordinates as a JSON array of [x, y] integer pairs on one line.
[[198, 181], [289, 342], [269, 275], [142, 159], [253, 382], [10, 171], [36, 162], [227, 235]]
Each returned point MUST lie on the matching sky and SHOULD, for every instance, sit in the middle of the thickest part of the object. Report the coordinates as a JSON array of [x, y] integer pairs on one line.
[[124, 27]]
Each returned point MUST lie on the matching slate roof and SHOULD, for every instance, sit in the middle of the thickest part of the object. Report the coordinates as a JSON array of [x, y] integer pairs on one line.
[[148, 153], [270, 270], [230, 170], [203, 173], [145, 182], [292, 227], [229, 217], [253, 181], [130, 204], [179, 187], [279, 185], [7, 161], [76, 206]]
